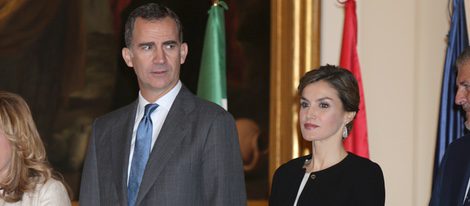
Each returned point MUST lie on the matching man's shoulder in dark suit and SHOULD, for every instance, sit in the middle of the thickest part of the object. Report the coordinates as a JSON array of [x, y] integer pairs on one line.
[[451, 181], [460, 145]]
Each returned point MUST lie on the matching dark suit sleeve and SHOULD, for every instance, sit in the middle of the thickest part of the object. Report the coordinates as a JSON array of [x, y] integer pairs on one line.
[[223, 177], [89, 188], [275, 196], [437, 192]]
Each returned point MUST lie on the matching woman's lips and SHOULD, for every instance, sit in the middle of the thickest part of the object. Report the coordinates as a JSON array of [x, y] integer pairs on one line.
[[310, 126]]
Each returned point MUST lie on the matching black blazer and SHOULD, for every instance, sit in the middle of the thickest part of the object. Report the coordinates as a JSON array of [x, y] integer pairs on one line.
[[353, 181], [451, 181]]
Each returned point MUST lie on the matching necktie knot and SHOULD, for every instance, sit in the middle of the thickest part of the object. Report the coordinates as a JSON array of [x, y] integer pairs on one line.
[[149, 108]]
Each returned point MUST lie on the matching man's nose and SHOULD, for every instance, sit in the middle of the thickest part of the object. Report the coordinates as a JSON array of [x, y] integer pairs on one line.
[[460, 97], [159, 56]]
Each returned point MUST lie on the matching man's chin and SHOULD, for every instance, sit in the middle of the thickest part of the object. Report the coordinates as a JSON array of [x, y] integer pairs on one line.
[[467, 125]]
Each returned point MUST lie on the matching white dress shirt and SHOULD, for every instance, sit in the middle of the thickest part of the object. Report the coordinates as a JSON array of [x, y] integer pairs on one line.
[[158, 117], [301, 188], [466, 191]]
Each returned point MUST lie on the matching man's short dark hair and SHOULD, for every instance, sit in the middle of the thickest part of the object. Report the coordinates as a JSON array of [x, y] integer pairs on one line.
[[150, 11]]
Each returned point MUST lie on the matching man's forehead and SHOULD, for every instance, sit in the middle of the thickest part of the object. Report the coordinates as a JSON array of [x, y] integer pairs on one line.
[[463, 74], [161, 28], [463, 64], [463, 68]]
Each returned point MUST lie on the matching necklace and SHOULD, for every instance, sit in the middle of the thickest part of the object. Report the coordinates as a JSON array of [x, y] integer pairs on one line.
[[306, 163]]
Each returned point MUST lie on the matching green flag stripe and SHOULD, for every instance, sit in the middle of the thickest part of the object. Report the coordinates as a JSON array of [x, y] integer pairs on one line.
[[212, 76]]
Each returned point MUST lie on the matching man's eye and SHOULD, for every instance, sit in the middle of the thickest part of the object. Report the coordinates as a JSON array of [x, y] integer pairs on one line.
[[146, 47], [170, 46]]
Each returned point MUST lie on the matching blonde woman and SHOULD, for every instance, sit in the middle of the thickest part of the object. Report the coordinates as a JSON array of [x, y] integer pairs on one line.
[[25, 175]]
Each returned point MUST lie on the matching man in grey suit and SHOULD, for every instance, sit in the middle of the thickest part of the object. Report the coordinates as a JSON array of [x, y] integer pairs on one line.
[[168, 147]]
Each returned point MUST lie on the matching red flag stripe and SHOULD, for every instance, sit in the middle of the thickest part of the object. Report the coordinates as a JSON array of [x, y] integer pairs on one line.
[[357, 142]]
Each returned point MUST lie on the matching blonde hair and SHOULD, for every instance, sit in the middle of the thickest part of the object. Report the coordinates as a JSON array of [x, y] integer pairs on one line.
[[28, 165]]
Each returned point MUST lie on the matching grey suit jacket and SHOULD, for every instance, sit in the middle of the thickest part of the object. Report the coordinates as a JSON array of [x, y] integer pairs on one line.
[[195, 161]]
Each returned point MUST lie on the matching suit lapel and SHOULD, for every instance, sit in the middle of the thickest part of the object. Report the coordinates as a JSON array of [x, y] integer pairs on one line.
[[120, 144], [173, 131]]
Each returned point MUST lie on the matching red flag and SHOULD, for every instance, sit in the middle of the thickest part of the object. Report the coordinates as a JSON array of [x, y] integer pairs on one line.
[[357, 141]]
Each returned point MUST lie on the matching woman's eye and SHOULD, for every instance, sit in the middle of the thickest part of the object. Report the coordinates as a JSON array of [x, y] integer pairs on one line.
[[303, 104], [324, 105]]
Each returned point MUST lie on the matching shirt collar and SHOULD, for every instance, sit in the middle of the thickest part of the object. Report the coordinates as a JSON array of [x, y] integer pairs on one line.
[[164, 102]]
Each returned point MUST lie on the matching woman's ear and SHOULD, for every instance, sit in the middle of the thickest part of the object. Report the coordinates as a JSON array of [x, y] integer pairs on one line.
[[350, 116]]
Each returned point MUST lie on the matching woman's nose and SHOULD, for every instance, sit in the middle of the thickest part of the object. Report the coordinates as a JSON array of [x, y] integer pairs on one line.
[[311, 114]]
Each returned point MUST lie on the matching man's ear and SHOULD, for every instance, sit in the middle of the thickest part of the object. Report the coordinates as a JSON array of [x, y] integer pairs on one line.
[[183, 52], [127, 56]]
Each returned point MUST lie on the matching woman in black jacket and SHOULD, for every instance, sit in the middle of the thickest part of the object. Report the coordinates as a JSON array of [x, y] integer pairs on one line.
[[329, 101]]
